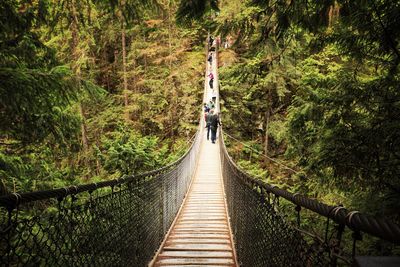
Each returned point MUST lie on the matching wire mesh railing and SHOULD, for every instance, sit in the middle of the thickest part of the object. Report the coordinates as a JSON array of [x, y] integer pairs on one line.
[[264, 236], [113, 223]]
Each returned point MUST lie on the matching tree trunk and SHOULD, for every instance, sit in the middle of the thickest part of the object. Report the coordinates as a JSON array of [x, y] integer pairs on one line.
[[266, 120], [124, 65], [174, 101], [145, 58], [123, 43], [75, 38], [169, 36], [85, 142], [76, 67], [98, 163], [333, 13], [266, 140]]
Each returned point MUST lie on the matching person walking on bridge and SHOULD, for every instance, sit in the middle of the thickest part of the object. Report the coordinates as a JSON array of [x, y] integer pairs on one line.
[[211, 105], [208, 122], [210, 41], [206, 108], [214, 123], [214, 96], [211, 76]]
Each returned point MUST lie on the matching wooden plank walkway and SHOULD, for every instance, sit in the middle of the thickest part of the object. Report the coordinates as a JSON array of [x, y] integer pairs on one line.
[[201, 234]]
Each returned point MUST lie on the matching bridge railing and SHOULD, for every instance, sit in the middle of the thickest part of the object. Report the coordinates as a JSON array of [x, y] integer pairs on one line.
[[112, 223], [265, 237]]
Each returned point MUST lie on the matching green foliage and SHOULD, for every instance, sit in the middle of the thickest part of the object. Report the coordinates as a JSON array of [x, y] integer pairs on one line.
[[344, 123], [58, 126], [128, 153], [253, 169], [11, 167], [192, 10], [20, 45], [33, 171], [277, 129], [131, 9], [33, 92], [164, 100], [33, 104], [316, 83]]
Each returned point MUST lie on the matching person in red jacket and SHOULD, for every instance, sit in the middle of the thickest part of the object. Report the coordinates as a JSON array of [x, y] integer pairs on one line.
[[211, 82]]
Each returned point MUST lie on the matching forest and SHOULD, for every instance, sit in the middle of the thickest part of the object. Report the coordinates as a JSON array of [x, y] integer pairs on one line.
[[310, 92], [93, 90]]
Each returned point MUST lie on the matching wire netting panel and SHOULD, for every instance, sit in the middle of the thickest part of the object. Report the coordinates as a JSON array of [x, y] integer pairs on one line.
[[262, 236], [122, 225]]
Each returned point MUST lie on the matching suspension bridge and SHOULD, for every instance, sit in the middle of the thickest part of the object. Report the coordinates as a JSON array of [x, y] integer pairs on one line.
[[201, 210]]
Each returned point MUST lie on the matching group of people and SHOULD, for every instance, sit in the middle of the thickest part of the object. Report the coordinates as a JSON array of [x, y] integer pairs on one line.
[[210, 115], [212, 43], [212, 120], [226, 43]]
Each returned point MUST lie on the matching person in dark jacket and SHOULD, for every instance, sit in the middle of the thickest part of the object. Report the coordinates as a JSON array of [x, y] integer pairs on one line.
[[214, 96], [214, 123], [206, 108]]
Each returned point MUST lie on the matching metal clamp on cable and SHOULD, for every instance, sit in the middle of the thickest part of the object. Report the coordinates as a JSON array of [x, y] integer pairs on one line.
[[294, 198], [337, 209], [66, 191], [17, 199], [349, 218]]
